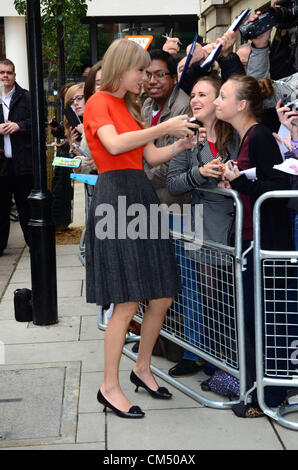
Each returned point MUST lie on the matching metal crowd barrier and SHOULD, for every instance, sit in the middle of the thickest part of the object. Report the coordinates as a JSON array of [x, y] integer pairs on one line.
[[276, 316], [207, 318], [89, 183]]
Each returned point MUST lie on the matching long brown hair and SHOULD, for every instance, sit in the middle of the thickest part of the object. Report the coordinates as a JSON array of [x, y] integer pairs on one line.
[[122, 55], [90, 80], [224, 131]]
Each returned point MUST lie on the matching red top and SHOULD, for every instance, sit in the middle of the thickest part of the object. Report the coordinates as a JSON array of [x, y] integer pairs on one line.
[[213, 148], [103, 109]]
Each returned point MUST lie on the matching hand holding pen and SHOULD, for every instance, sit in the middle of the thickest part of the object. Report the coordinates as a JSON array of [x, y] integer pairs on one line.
[[171, 45]]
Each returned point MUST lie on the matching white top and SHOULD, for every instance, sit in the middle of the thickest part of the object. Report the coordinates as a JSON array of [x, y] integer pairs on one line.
[[6, 106]]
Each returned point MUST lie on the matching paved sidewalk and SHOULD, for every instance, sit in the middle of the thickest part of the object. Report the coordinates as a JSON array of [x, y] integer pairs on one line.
[[50, 376]]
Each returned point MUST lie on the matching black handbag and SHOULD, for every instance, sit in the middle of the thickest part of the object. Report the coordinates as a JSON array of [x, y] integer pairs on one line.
[[23, 305]]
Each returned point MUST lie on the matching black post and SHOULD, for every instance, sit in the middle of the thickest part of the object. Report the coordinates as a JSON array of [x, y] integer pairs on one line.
[[41, 225], [93, 40]]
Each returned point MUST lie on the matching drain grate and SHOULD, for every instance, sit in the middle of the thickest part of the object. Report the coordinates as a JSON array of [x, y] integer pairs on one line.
[[38, 403]]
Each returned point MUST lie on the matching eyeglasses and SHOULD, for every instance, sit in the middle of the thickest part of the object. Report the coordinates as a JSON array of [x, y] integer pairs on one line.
[[156, 75], [76, 98]]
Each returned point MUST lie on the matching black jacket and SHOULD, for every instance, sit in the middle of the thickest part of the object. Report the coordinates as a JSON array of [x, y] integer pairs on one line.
[[264, 153], [20, 112], [229, 65]]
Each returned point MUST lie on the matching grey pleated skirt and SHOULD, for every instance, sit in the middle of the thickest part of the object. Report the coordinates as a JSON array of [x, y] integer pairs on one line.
[[129, 255]]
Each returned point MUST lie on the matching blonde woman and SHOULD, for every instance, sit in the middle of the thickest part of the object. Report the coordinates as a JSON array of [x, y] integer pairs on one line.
[[75, 99], [120, 268]]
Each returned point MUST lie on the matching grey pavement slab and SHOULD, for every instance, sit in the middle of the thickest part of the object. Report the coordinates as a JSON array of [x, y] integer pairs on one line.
[[70, 273], [65, 288], [63, 260], [66, 307], [91, 428], [38, 403], [191, 428], [89, 352], [89, 329], [181, 423], [11, 256], [12, 332], [99, 446], [288, 436]]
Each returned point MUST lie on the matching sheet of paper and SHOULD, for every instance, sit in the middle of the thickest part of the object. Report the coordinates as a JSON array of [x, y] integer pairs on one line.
[[250, 173], [290, 165]]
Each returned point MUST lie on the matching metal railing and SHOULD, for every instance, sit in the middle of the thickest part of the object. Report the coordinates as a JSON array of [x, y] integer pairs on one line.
[[207, 318], [276, 316]]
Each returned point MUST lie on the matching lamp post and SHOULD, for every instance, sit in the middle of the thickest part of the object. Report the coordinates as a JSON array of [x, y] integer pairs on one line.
[[41, 225]]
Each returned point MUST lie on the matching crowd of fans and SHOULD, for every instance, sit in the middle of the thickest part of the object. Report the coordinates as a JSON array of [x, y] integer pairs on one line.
[[239, 102]]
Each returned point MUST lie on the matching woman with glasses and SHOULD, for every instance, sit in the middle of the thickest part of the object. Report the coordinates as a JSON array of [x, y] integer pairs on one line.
[[125, 262], [74, 99]]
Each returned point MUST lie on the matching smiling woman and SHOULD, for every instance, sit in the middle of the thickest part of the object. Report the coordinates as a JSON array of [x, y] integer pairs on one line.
[[121, 270]]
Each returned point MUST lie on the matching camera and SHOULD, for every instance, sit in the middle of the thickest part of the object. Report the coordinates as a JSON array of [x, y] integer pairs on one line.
[[285, 16], [193, 120], [293, 105]]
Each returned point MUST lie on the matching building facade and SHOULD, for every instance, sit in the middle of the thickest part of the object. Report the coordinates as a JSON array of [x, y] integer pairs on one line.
[[106, 21], [216, 15]]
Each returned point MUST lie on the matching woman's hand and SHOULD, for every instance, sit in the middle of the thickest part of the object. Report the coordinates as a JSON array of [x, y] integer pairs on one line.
[[202, 134], [80, 128], [227, 40], [231, 171], [286, 140], [224, 185], [192, 141], [91, 163], [180, 127], [286, 116], [213, 169], [172, 46]]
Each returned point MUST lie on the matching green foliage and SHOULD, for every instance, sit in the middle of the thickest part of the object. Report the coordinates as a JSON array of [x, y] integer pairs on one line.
[[69, 13]]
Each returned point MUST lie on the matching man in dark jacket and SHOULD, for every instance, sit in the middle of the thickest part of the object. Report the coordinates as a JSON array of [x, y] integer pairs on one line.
[[16, 173]]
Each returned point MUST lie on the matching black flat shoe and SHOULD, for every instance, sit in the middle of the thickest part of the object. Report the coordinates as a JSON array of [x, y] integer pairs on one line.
[[162, 392], [134, 412], [186, 367], [205, 385]]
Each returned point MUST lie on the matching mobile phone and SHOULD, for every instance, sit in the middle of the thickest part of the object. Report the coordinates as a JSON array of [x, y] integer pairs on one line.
[[231, 166], [78, 149], [193, 120], [72, 117]]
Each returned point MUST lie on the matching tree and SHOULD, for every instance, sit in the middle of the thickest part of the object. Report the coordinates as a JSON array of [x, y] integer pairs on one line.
[[60, 22]]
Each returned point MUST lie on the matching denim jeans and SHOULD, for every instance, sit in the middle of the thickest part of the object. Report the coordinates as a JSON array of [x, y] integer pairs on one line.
[[188, 303]]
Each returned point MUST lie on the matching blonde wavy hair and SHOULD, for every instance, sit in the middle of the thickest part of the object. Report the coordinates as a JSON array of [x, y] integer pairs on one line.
[[67, 98], [121, 56]]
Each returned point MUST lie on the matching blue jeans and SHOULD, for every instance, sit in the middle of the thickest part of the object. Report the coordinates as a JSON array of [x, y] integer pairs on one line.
[[188, 302]]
